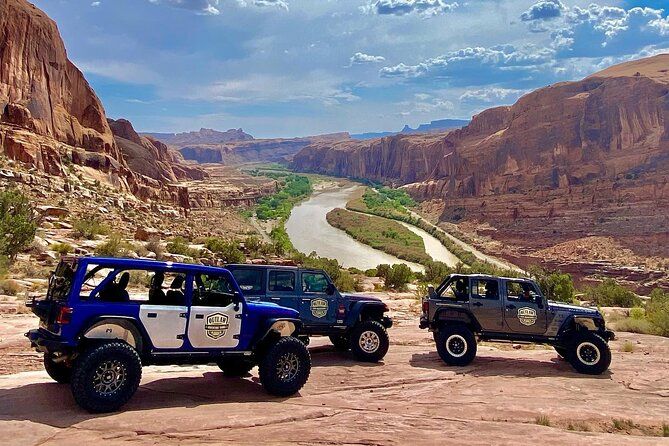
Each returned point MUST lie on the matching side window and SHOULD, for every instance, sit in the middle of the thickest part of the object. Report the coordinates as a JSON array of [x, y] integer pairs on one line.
[[95, 274], [485, 289], [282, 281], [138, 286], [522, 291], [457, 289], [212, 290], [314, 283], [249, 280]]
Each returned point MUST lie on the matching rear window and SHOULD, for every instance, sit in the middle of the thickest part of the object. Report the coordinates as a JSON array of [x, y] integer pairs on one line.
[[250, 281], [60, 281]]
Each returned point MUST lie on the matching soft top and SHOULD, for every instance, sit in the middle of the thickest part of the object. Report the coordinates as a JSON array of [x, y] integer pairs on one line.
[[145, 264]]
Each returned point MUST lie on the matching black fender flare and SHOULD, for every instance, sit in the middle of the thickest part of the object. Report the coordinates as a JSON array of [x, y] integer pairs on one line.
[[364, 306], [456, 316], [577, 322], [273, 329]]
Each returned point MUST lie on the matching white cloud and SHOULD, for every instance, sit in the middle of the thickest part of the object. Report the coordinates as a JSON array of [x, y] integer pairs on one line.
[[493, 95], [128, 72], [94, 4], [402, 7], [362, 58], [544, 10], [205, 7]]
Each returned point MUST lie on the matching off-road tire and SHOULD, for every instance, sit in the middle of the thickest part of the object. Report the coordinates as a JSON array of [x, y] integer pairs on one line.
[[285, 367], [563, 352], [304, 339], [235, 367], [116, 359], [369, 341], [589, 353], [340, 342], [58, 371], [456, 345]]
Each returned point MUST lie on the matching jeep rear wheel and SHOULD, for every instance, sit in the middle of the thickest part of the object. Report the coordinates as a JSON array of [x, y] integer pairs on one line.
[[105, 377], [369, 341], [235, 367], [589, 353], [340, 342], [456, 345], [58, 371], [285, 367]]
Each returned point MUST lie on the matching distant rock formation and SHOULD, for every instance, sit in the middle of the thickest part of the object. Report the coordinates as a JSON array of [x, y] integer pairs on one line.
[[50, 116], [203, 136], [440, 125], [151, 157], [572, 159]]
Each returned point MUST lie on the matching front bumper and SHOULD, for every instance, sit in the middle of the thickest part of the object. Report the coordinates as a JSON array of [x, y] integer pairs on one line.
[[42, 340], [608, 335]]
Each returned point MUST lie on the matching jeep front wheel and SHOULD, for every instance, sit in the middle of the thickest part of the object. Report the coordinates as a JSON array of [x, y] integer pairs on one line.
[[456, 345], [369, 341], [235, 367], [58, 371], [589, 353], [285, 367], [105, 377]]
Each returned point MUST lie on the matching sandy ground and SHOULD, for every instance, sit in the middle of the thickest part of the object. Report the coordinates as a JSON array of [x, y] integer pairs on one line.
[[412, 397]]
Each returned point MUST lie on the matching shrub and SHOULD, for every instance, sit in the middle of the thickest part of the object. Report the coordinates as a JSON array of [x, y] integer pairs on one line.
[[115, 246], [228, 251], [179, 246], [382, 270], [628, 347], [610, 294], [9, 287], [18, 223], [154, 246], [542, 420], [140, 250], [62, 248], [345, 282], [657, 311], [641, 326], [371, 272], [435, 272], [554, 285], [89, 227], [398, 277], [637, 313], [252, 243]]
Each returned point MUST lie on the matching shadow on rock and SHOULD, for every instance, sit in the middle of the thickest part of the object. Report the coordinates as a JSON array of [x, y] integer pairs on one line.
[[501, 366], [53, 404], [328, 356]]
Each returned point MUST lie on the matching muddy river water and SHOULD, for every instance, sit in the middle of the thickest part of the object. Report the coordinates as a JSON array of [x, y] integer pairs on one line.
[[309, 231]]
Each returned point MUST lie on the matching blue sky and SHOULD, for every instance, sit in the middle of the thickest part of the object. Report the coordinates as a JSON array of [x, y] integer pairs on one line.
[[301, 67]]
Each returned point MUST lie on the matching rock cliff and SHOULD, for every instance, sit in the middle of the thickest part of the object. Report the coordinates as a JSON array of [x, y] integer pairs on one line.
[[572, 159]]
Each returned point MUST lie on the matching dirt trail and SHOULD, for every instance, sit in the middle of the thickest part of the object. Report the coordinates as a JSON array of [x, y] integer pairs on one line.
[[410, 398]]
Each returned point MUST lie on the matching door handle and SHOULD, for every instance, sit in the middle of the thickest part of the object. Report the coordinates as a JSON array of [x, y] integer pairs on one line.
[[510, 307], [275, 298], [199, 316], [306, 300], [152, 315], [477, 304]]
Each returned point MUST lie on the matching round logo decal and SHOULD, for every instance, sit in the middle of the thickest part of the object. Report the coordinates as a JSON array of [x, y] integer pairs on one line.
[[319, 307], [216, 325], [527, 315]]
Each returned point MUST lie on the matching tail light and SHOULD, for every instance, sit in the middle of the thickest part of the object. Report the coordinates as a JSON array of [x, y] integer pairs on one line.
[[64, 315], [426, 306], [341, 311]]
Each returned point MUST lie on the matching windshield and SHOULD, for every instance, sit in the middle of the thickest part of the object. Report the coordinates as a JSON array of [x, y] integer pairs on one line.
[[60, 281]]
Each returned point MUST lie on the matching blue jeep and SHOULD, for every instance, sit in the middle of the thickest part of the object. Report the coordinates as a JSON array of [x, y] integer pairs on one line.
[[352, 322], [103, 318]]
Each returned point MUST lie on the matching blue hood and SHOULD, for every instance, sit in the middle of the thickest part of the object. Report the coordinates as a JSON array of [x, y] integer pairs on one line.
[[272, 310], [560, 306]]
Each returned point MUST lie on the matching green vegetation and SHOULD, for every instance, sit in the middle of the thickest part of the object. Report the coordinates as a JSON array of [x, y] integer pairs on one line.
[[542, 420], [395, 277], [180, 246], [18, 223], [293, 189], [89, 227], [554, 285], [115, 246], [154, 246], [628, 347], [651, 319], [62, 248], [610, 294], [383, 201], [379, 233], [228, 251], [9, 287]]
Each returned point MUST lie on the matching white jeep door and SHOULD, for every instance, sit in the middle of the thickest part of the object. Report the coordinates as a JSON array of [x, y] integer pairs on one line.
[[165, 324], [215, 319]]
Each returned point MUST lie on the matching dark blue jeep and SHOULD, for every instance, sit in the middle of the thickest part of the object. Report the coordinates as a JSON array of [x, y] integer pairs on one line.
[[103, 318], [352, 322]]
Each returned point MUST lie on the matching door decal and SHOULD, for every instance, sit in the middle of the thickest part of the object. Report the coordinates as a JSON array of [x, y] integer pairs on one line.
[[319, 307], [527, 316], [216, 325]]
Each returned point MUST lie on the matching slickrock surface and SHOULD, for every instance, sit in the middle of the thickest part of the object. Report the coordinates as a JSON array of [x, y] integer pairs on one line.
[[411, 398]]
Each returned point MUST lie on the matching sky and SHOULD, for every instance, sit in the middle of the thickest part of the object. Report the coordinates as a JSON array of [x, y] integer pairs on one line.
[[283, 68]]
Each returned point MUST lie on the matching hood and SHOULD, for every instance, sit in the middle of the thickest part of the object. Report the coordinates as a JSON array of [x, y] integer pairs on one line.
[[559, 306], [359, 297], [272, 310]]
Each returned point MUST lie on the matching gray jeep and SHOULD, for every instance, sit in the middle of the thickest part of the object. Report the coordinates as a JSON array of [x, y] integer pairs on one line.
[[465, 307]]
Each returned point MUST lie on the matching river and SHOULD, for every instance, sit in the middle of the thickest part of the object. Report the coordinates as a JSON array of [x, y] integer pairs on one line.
[[309, 231]]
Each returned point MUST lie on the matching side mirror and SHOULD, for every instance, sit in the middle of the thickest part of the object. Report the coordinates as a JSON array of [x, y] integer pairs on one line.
[[330, 290]]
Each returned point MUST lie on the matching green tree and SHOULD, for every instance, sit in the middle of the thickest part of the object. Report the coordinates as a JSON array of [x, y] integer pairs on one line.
[[18, 223], [554, 285], [382, 270], [398, 277], [657, 311], [610, 294], [226, 250], [435, 272]]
